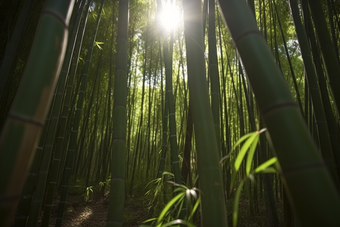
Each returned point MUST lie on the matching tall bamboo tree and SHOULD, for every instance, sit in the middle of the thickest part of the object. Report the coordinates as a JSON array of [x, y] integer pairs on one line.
[[58, 143], [300, 161], [118, 176], [12, 46], [329, 56], [326, 99], [213, 70], [172, 119], [210, 179], [48, 146], [75, 127], [26, 117], [320, 116]]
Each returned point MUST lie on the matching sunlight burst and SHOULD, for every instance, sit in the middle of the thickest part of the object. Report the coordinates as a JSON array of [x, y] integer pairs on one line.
[[170, 16]]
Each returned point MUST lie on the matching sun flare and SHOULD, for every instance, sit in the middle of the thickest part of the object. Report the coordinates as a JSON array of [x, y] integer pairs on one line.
[[170, 15]]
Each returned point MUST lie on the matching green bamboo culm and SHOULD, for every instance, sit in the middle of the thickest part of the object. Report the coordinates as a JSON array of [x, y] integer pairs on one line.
[[118, 167], [210, 178], [318, 107], [171, 107], [164, 137], [45, 169], [213, 69], [76, 122], [167, 56], [326, 98], [329, 56], [61, 122], [298, 97], [26, 118], [165, 115], [12, 46], [305, 176]]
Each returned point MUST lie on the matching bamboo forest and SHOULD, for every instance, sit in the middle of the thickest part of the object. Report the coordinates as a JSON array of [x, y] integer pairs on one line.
[[170, 113]]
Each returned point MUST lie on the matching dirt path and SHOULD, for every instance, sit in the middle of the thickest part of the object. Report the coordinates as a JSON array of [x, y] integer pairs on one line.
[[94, 212]]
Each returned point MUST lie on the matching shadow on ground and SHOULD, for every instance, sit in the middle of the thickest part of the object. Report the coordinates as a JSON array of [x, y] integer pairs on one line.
[[94, 212]]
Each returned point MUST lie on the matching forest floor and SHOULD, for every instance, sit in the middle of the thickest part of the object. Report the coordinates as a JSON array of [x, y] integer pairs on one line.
[[93, 213]]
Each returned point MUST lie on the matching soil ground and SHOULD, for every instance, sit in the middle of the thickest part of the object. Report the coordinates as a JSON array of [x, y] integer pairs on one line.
[[93, 213]]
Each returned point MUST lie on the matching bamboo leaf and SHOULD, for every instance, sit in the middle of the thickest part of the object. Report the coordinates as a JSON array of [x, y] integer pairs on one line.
[[179, 221], [244, 150], [168, 173], [98, 44], [269, 170], [155, 181], [251, 154], [237, 143], [168, 206], [266, 164], [194, 209], [251, 177], [237, 199], [179, 190], [233, 177], [149, 220], [178, 206], [243, 138]]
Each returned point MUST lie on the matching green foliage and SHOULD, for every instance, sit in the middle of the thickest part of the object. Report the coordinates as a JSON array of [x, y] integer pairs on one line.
[[145, 57], [105, 185], [249, 146], [172, 211], [98, 45], [87, 194], [174, 222], [81, 59], [156, 188], [79, 189]]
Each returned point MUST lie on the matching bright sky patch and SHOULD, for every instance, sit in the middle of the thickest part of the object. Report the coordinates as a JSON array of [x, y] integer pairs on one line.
[[169, 16]]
